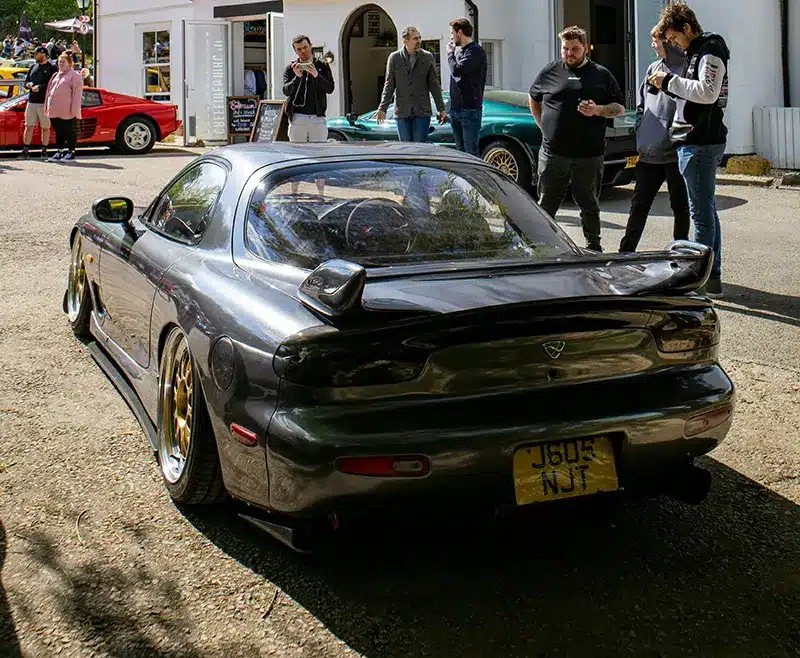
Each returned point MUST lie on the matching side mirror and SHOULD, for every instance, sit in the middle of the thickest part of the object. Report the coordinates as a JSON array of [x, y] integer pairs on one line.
[[352, 117], [114, 210]]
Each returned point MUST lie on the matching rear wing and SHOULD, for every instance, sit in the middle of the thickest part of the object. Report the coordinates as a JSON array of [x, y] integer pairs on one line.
[[336, 287]]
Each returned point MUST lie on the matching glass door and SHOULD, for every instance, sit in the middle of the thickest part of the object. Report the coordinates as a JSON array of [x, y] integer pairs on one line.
[[277, 55], [207, 81]]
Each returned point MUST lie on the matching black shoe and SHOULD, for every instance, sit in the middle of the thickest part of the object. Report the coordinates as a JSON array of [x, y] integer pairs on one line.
[[713, 289], [24, 155], [44, 154], [594, 246]]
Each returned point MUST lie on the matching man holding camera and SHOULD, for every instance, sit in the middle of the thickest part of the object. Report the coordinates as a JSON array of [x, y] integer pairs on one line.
[[571, 99], [36, 82], [306, 84]]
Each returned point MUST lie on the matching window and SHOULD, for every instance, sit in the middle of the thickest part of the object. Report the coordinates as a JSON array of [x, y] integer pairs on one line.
[[91, 99], [435, 46], [156, 65], [184, 210], [393, 213], [493, 74]]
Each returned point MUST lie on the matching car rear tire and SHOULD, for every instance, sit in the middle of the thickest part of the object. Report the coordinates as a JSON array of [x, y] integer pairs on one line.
[[136, 135], [511, 159], [78, 303], [187, 450]]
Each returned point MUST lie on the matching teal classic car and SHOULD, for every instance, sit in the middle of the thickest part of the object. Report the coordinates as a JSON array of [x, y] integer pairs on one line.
[[510, 138]]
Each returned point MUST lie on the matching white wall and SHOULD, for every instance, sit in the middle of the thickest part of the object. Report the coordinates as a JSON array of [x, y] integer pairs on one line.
[[794, 51], [529, 41]]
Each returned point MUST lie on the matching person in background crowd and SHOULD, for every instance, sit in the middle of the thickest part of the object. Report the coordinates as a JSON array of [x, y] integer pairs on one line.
[[698, 127], [88, 80], [468, 68], [411, 77], [63, 106], [36, 82], [306, 84], [571, 99], [75, 52], [658, 159]]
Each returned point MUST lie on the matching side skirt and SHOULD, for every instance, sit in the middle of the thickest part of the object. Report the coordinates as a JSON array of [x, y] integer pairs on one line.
[[127, 392]]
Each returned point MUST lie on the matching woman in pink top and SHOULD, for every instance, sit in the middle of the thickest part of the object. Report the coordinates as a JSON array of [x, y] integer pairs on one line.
[[63, 106]]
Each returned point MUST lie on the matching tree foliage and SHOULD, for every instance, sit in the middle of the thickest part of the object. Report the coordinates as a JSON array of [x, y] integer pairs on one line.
[[39, 13]]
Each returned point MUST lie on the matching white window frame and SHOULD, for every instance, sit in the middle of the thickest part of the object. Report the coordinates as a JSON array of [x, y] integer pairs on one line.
[[141, 31], [497, 62]]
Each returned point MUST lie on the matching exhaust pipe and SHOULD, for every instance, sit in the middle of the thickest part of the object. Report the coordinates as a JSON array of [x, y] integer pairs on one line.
[[691, 485]]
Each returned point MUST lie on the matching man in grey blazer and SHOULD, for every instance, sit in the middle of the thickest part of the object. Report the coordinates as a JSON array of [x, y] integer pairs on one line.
[[411, 77]]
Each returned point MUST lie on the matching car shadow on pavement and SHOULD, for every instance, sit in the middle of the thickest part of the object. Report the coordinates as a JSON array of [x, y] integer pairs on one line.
[[761, 304], [8, 635], [657, 578]]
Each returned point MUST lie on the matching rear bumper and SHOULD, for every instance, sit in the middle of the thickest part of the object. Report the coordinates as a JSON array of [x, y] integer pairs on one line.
[[471, 442]]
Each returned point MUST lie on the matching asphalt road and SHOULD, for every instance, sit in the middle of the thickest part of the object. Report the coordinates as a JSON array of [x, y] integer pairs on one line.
[[96, 561]]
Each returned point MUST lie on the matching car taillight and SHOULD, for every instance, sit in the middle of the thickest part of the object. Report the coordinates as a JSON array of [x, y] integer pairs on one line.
[[686, 330], [400, 466]]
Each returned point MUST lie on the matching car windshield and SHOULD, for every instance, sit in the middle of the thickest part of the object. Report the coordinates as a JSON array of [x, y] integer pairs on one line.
[[379, 213]]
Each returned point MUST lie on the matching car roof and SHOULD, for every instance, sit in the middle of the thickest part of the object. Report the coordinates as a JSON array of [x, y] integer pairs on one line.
[[254, 155]]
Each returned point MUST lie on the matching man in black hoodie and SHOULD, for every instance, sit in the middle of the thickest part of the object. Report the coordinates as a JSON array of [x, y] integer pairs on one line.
[[698, 128], [36, 82]]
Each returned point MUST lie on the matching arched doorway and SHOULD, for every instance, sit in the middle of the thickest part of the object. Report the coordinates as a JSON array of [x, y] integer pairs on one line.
[[368, 38]]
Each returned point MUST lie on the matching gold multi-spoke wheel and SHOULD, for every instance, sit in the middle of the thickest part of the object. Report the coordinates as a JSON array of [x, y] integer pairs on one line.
[[510, 158], [177, 413], [504, 160], [187, 451], [78, 305]]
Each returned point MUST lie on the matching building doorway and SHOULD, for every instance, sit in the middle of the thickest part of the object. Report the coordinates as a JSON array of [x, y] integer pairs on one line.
[[609, 24], [368, 38]]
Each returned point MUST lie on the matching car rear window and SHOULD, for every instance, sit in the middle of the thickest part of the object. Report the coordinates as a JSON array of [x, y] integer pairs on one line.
[[380, 213]]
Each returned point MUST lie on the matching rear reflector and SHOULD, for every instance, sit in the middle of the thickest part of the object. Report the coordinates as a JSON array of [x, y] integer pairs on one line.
[[399, 467], [707, 421], [243, 435]]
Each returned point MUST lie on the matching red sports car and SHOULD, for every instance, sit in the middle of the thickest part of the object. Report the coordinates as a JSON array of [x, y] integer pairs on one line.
[[133, 125]]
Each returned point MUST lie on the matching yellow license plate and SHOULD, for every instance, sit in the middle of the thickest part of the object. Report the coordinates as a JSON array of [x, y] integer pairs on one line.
[[564, 469], [631, 161]]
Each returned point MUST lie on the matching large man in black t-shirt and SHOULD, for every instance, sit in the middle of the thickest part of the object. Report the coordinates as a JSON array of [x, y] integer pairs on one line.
[[571, 100]]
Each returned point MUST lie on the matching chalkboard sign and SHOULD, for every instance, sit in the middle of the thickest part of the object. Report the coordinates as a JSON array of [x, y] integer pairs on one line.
[[241, 115], [271, 123]]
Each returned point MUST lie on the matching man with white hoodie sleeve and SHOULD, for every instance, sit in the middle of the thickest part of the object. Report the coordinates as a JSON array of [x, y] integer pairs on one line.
[[658, 157]]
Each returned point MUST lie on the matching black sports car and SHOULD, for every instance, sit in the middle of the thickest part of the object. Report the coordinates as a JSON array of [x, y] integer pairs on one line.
[[321, 330]]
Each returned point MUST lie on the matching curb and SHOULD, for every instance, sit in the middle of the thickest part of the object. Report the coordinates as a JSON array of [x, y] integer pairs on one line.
[[749, 181]]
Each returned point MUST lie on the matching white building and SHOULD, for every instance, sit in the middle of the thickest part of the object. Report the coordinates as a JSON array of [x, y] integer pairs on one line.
[[196, 52]]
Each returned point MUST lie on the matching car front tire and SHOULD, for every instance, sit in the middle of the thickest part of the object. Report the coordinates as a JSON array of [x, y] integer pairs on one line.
[[136, 135], [78, 304], [187, 450]]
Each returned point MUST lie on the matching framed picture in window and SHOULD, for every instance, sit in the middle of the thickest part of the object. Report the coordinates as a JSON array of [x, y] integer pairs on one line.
[[358, 28]]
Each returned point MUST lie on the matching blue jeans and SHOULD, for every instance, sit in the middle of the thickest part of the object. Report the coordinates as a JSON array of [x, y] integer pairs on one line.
[[413, 129], [698, 165], [466, 129]]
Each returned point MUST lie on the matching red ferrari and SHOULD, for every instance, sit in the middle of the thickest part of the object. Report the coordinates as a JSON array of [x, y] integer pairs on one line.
[[132, 125]]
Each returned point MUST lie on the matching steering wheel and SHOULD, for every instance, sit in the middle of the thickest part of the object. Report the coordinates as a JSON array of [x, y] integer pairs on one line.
[[378, 217]]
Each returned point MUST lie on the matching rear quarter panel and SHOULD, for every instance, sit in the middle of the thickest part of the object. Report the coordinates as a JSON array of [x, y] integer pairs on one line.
[[118, 107]]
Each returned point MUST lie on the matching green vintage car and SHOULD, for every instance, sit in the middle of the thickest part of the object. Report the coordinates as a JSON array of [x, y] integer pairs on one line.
[[510, 138]]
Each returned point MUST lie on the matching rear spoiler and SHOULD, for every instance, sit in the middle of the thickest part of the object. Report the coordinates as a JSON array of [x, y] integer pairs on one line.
[[336, 287]]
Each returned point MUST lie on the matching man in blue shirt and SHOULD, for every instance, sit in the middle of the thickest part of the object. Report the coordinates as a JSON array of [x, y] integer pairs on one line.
[[468, 66]]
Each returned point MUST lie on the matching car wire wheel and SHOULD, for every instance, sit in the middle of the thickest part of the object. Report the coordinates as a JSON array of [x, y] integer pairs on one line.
[[504, 160], [178, 410]]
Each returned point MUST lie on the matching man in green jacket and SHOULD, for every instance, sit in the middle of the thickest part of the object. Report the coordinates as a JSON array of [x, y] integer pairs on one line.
[[411, 77]]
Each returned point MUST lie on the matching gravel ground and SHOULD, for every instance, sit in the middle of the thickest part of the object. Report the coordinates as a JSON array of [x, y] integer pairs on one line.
[[97, 562]]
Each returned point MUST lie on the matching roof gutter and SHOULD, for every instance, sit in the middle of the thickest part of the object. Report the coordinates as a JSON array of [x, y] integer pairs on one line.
[[787, 95], [474, 13]]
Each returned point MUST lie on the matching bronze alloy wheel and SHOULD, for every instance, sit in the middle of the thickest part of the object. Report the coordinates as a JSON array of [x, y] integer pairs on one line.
[[504, 160], [77, 282], [178, 404]]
